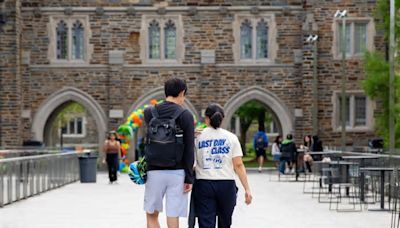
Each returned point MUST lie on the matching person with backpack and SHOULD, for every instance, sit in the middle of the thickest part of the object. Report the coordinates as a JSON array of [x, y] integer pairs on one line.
[[288, 155], [260, 142], [218, 160], [169, 153]]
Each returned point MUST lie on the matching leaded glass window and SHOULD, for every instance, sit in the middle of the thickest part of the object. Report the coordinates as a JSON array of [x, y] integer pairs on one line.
[[360, 38], [170, 40], [62, 40], [246, 37], [262, 40], [154, 40], [77, 40]]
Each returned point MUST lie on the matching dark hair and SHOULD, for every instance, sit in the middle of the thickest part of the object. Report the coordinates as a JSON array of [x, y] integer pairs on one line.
[[112, 133], [174, 86], [216, 114], [277, 139], [261, 127], [289, 136], [307, 144]]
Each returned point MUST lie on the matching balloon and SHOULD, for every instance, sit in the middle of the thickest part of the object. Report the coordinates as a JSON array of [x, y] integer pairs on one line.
[[153, 102]]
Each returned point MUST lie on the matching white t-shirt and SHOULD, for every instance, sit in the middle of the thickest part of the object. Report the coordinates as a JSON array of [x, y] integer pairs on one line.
[[275, 149], [215, 149]]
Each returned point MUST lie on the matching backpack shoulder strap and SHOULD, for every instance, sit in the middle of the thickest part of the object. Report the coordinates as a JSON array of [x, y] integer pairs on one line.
[[178, 113], [154, 112]]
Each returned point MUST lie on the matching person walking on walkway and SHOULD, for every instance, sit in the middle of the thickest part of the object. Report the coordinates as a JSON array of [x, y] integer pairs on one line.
[[169, 152], [218, 158], [112, 150], [260, 142]]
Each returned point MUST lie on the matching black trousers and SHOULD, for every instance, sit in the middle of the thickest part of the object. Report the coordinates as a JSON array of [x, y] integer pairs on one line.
[[112, 164], [214, 198]]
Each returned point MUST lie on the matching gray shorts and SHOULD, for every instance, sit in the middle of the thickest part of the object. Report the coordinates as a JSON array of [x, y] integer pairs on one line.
[[168, 183]]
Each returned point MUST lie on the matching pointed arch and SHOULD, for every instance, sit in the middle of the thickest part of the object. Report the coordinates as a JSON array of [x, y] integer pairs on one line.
[[266, 97], [59, 98], [158, 93]]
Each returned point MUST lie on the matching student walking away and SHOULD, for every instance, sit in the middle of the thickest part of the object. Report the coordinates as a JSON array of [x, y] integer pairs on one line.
[[169, 152], [276, 151], [218, 158], [260, 142], [288, 155], [317, 147], [112, 149]]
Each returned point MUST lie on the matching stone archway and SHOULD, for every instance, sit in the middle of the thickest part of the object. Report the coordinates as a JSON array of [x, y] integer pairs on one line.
[[59, 98], [158, 93], [264, 96]]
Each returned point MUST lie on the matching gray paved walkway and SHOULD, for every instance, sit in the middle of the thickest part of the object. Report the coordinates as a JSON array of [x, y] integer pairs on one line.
[[276, 205]]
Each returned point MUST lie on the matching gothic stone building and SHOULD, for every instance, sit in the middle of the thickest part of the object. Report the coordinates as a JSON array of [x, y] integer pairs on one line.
[[112, 56]]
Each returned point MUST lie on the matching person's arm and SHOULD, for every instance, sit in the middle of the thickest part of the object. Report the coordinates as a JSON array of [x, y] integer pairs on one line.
[[265, 140], [241, 172], [188, 153], [119, 150], [105, 151], [255, 141]]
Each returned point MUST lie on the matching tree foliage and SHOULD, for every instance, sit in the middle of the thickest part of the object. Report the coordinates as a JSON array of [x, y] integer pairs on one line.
[[248, 113], [376, 83], [67, 113]]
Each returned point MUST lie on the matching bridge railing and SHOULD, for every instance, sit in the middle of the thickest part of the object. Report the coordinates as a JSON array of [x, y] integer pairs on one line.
[[23, 177]]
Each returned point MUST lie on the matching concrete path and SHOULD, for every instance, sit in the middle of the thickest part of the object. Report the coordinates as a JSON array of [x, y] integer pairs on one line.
[[100, 205]]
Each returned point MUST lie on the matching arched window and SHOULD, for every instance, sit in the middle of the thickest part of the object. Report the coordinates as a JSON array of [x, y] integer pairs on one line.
[[62, 40], [77, 40], [262, 40], [154, 40], [170, 40], [246, 37]]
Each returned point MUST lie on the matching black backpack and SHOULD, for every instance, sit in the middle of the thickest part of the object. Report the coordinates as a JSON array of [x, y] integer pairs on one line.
[[164, 141], [260, 143]]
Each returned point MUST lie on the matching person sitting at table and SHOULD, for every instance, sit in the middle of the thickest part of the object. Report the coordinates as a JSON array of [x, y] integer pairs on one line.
[[307, 158], [276, 152], [316, 147], [288, 155]]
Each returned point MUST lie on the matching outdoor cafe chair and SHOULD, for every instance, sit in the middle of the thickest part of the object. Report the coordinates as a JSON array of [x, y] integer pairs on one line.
[[339, 183]]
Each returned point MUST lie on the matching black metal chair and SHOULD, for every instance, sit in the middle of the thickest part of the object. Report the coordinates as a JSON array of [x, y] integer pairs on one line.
[[339, 183]]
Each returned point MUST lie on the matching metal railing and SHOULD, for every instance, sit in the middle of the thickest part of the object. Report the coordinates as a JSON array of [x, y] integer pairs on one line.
[[24, 177]]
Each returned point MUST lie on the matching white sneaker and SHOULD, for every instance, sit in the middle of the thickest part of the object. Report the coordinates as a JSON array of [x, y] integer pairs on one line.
[[287, 170], [292, 171], [259, 169]]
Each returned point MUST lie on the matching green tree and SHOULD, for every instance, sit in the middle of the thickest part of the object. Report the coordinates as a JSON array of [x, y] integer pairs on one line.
[[376, 83], [247, 113], [65, 116]]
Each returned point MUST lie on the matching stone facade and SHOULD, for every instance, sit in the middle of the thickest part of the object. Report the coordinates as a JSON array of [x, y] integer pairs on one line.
[[28, 85]]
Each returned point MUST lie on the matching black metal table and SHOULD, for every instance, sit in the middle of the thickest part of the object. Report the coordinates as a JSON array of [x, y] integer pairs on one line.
[[382, 171], [362, 159]]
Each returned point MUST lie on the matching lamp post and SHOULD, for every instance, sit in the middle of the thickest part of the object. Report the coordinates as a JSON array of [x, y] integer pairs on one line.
[[312, 39], [392, 47], [342, 15]]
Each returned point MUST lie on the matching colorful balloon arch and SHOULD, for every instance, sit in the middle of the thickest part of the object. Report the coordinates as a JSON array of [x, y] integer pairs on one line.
[[132, 124]]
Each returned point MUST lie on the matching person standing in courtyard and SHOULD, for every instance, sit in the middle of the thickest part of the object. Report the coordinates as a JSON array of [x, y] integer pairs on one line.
[[288, 155], [169, 152], [112, 149], [218, 158], [260, 143]]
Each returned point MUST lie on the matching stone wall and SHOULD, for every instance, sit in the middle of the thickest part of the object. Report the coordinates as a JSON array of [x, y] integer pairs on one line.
[[10, 78], [118, 86]]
